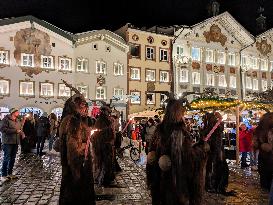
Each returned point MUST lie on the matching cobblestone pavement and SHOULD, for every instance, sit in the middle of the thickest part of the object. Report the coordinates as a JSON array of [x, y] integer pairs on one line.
[[39, 183]]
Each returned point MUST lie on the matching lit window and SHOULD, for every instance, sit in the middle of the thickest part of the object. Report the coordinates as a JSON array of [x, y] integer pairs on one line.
[[118, 69], [100, 93], [83, 90], [209, 56], [163, 99], [135, 73], [264, 85], [184, 78], [248, 82], [82, 65], [46, 89], [243, 60], [231, 59], [100, 67], [27, 60], [264, 66], [253, 63], [65, 64], [150, 53], [179, 51], [4, 57], [196, 78], [221, 57], [47, 62], [255, 84], [222, 81], [150, 75], [150, 98], [164, 76], [195, 54], [135, 97], [64, 91], [4, 87], [163, 55], [210, 79], [27, 88], [232, 81], [118, 93], [271, 66]]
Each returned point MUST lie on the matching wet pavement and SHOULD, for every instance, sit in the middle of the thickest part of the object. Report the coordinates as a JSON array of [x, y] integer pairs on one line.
[[39, 183]]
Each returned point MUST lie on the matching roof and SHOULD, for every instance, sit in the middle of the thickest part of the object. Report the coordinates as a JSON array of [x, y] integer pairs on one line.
[[13, 20], [268, 34]]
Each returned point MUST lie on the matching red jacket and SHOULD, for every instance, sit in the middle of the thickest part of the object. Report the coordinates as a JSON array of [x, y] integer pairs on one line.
[[245, 141]]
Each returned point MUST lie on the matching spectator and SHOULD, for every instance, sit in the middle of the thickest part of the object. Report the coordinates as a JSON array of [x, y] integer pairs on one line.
[[254, 152], [29, 141], [53, 130], [150, 129], [244, 144], [43, 130]]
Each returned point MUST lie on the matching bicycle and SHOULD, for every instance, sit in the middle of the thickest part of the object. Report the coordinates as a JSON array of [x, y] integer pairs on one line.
[[134, 152]]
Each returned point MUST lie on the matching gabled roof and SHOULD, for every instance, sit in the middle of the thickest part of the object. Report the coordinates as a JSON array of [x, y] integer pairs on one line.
[[268, 34], [13, 20], [232, 26]]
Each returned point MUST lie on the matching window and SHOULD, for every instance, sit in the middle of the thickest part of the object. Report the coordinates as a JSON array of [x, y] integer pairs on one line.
[[135, 97], [221, 58], [150, 97], [243, 60], [4, 87], [118, 69], [163, 55], [222, 81], [209, 56], [196, 78], [100, 67], [150, 75], [184, 76], [195, 54], [248, 83], [64, 91], [253, 63], [47, 62], [100, 93], [83, 90], [65, 64], [179, 51], [95, 46], [231, 59], [26, 88], [135, 74], [46, 89], [264, 85], [118, 93], [82, 65], [27, 60], [271, 66], [164, 76], [264, 66], [4, 57], [210, 79], [150, 53], [255, 84], [107, 48], [135, 50], [232, 81]]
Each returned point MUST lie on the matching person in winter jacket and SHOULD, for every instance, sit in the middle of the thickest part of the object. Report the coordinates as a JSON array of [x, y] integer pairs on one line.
[[29, 141], [43, 130], [150, 129], [245, 144]]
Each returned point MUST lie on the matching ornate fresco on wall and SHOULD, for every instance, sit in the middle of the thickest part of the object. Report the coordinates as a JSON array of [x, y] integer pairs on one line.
[[100, 80], [254, 74], [195, 65], [31, 41], [209, 67], [263, 47], [232, 70], [264, 75], [215, 35]]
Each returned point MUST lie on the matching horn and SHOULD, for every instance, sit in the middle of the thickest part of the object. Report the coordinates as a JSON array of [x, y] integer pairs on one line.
[[71, 87]]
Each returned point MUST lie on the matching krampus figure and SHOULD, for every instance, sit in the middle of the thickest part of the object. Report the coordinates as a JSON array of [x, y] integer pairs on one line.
[[77, 185], [263, 141], [175, 167], [103, 147], [217, 171]]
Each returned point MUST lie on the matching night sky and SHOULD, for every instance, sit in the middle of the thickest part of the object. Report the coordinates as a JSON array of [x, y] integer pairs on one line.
[[80, 16]]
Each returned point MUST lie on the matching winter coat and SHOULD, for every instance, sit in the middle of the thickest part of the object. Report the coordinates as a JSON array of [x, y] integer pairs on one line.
[[43, 126], [245, 141], [149, 133], [9, 130]]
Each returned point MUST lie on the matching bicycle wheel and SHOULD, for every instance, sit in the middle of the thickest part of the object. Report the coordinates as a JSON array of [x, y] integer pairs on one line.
[[134, 154]]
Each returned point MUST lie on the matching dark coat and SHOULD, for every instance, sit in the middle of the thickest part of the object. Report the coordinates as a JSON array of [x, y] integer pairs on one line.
[[43, 126], [9, 130]]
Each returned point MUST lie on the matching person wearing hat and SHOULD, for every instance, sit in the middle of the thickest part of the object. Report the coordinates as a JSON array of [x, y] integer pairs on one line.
[[12, 133], [43, 131]]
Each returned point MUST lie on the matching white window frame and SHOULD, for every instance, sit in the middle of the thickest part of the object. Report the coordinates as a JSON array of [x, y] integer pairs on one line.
[[118, 69], [82, 65], [209, 56], [254, 63], [101, 93], [136, 93], [148, 102], [81, 88], [4, 87], [29, 89], [27, 60], [164, 54], [101, 67], [150, 53], [150, 75], [255, 84], [221, 58], [222, 81], [264, 65], [198, 50], [248, 82], [210, 79], [243, 60], [271, 66], [232, 81], [231, 59], [135, 74], [179, 51], [184, 75], [196, 78], [63, 90], [164, 76], [119, 92], [65, 64], [46, 89], [47, 62], [4, 57], [264, 85]]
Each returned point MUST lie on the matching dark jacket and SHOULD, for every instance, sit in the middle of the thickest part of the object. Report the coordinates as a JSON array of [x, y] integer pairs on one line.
[[43, 126], [9, 130]]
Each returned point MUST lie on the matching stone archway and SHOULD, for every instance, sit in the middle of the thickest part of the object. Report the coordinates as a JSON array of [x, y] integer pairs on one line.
[[57, 111], [4, 110], [34, 110]]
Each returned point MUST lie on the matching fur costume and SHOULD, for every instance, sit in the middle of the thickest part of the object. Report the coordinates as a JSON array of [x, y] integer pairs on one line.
[[77, 186], [217, 171], [263, 141], [103, 147], [180, 180]]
